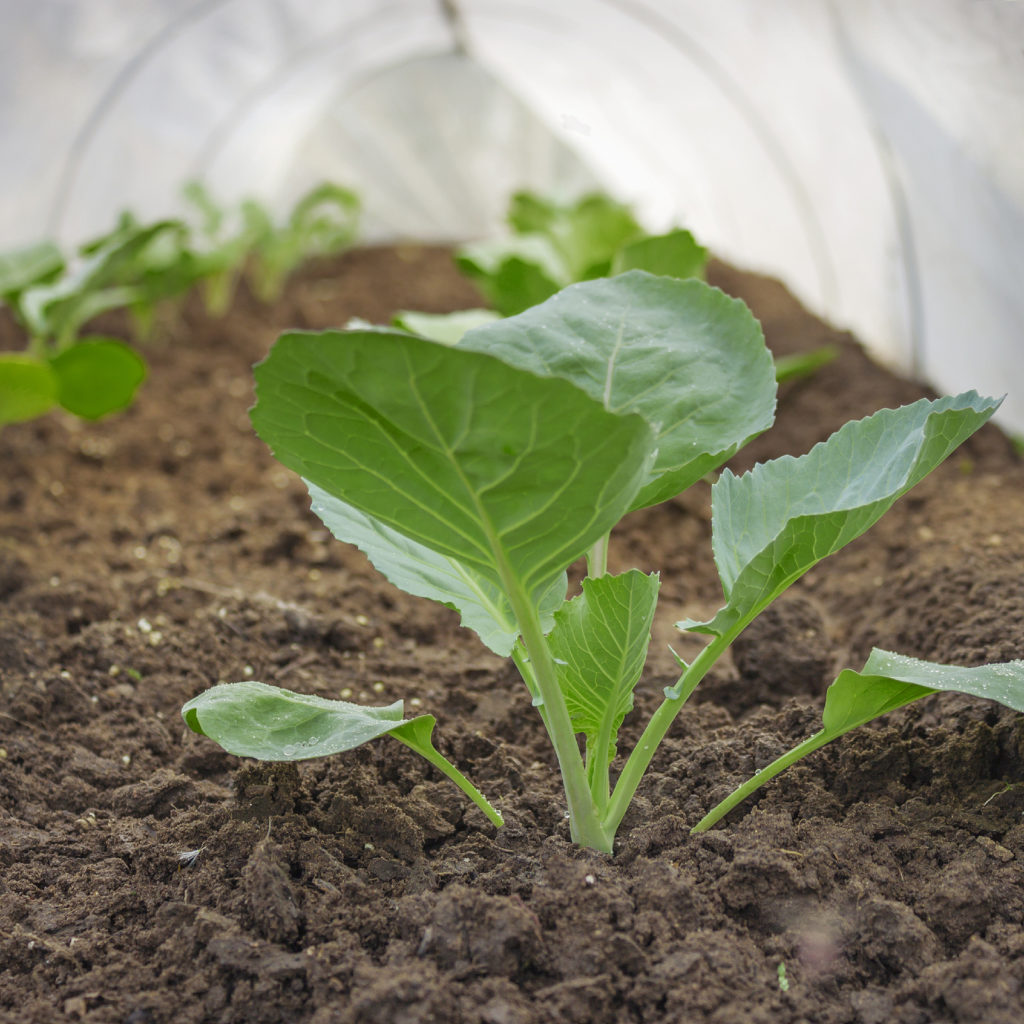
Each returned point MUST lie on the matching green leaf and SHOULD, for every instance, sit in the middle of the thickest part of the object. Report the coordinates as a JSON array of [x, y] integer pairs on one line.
[[251, 719], [447, 328], [585, 234], [685, 356], [97, 376], [514, 274], [418, 570], [600, 643], [28, 388], [803, 364], [887, 681], [772, 524], [676, 254], [28, 266], [513, 476], [531, 214]]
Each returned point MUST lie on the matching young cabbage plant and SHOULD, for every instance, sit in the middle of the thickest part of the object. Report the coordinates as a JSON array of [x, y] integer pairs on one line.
[[475, 474], [246, 241], [553, 245]]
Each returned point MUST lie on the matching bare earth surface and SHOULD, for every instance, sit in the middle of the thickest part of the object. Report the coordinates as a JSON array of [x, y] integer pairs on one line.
[[145, 558]]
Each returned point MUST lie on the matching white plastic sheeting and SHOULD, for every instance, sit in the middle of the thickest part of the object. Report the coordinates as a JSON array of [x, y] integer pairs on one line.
[[869, 153]]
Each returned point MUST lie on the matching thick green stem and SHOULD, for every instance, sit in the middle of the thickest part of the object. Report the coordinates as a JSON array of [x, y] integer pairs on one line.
[[819, 739], [661, 720], [584, 822]]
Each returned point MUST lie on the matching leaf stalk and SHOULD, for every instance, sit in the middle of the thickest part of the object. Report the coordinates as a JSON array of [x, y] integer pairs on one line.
[[812, 743]]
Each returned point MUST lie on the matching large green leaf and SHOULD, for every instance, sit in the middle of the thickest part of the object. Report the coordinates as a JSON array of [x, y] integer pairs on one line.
[[685, 356], [28, 387], [772, 524], [97, 376], [600, 643], [417, 570], [512, 475]]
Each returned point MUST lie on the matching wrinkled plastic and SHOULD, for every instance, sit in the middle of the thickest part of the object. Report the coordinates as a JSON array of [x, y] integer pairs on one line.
[[870, 154]]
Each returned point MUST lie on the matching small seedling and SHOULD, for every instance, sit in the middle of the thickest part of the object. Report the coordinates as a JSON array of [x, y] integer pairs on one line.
[[553, 245], [137, 267], [783, 980], [476, 474]]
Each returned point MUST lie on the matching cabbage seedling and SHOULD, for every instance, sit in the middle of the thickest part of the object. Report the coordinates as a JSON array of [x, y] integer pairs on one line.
[[553, 245], [475, 474]]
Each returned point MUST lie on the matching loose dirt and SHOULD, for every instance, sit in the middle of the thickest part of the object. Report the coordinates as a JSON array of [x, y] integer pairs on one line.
[[149, 877]]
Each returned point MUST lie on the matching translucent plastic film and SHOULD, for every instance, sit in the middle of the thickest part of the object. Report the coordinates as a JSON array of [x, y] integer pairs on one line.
[[871, 155]]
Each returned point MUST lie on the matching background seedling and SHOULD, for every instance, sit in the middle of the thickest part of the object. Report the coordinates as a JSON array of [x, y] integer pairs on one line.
[[137, 267]]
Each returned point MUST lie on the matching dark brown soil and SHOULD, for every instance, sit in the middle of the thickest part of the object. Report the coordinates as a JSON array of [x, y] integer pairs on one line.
[[148, 877]]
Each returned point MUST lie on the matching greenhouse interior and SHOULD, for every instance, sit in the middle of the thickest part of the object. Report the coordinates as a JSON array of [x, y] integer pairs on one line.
[[539, 386]]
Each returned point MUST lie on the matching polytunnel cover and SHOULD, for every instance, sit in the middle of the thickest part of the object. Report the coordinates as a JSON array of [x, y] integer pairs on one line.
[[871, 155]]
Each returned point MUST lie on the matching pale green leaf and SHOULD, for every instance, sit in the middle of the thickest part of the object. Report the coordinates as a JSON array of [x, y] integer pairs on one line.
[[675, 254], [772, 524], [31, 265], [447, 328], [417, 570], [586, 233], [889, 681], [683, 355], [512, 475], [514, 273], [600, 643], [251, 719]]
